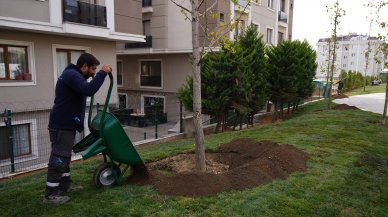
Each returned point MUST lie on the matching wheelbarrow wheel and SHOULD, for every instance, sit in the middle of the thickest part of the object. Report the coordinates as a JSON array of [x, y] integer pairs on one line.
[[103, 176]]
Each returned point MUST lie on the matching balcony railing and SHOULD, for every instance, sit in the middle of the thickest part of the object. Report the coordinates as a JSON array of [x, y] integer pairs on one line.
[[282, 16], [147, 43], [147, 3], [85, 13]]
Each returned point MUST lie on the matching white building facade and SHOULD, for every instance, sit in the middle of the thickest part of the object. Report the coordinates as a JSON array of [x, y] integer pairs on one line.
[[351, 55]]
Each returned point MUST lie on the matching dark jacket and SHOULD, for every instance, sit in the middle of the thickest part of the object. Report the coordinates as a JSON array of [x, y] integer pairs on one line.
[[68, 112]]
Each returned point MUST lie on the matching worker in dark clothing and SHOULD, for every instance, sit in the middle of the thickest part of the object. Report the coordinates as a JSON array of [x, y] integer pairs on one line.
[[67, 117], [340, 86]]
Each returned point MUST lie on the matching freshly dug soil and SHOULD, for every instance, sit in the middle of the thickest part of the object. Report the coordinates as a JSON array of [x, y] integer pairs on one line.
[[340, 96], [344, 107], [240, 164]]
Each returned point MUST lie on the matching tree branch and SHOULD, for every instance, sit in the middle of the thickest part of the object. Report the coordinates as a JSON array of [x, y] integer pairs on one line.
[[183, 8]]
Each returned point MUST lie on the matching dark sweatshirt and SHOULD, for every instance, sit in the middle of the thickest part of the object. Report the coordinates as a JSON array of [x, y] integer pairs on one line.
[[68, 112]]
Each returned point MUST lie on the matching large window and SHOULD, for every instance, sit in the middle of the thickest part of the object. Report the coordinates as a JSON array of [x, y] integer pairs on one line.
[[65, 57], [151, 73], [21, 141], [14, 63], [152, 104]]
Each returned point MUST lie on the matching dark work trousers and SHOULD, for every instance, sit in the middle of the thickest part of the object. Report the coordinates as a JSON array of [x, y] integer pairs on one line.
[[58, 174]]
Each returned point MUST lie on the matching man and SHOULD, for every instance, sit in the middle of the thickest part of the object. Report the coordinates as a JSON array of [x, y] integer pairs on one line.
[[340, 86], [67, 117]]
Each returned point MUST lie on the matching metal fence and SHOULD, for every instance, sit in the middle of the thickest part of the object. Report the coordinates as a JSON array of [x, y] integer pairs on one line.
[[24, 138]]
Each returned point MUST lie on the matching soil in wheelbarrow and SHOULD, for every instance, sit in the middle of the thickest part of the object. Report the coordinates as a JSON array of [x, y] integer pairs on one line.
[[238, 165]]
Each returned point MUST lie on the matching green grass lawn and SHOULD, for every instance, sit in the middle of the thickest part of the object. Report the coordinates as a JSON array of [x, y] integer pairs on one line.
[[368, 89], [347, 176]]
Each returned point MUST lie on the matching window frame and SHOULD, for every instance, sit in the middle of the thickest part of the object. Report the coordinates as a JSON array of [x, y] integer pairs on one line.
[[30, 64], [161, 73], [271, 37], [33, 142], [126, 99], [56, 47], [270, 5]]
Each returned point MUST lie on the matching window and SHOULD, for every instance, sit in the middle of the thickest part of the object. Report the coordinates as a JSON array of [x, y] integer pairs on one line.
[[21, 141], [222, 17], [269, 35], [16, 63], [152, 104], [280, 37], [65, 57], [283, 5], [122, 100], [151, 73], [270, 4], [147, 27], [119, 73], [256, 26]]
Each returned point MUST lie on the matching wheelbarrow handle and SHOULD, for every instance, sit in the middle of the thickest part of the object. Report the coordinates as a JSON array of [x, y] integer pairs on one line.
[[102, 124], [105, 106]]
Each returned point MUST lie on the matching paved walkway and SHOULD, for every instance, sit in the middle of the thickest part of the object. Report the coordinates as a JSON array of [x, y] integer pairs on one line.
[[368, 102]]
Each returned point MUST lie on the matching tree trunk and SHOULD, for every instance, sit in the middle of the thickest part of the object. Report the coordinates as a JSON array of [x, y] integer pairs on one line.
[[385, 105], [197, 104]]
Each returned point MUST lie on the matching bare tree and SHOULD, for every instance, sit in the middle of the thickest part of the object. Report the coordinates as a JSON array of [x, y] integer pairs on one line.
[[338, 12], [194, 15], [382, 23], [367, 52]]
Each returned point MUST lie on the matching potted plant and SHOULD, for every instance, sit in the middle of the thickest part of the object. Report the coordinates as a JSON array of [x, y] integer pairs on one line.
[[27, 76]]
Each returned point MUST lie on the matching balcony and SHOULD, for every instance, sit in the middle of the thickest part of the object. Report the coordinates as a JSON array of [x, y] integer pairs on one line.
[[282, 16], [147, 6], [241, 5], [85, 13], [147, 43]]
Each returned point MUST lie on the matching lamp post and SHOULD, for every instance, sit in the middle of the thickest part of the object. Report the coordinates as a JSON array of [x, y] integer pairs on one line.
[[153, 104]]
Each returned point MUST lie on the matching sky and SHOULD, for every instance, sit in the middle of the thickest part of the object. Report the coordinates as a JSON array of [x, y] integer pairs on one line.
[[311, 19]]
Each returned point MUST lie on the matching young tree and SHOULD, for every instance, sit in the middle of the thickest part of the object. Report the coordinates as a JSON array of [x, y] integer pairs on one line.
[[382, 22], [337, 13], [194, 15], [367, 52]]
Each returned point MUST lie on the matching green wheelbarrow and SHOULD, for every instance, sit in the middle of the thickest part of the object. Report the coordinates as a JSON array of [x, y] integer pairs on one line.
[[107, 137]]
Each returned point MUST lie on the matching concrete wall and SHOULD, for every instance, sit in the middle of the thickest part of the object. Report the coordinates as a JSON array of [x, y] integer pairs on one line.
[[26, 9], [128, 16], [265, 17], [175, 69], [42, 86], [179, 28]]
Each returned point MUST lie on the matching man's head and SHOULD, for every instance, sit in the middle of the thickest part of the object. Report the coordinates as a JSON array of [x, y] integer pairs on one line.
[[88, 64]]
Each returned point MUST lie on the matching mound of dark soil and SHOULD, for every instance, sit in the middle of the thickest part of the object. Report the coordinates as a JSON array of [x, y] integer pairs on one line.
[[240, 164], [340, 96], [344, 107]]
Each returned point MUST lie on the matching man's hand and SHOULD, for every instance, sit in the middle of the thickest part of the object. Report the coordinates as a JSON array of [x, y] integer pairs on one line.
[[107, 68]]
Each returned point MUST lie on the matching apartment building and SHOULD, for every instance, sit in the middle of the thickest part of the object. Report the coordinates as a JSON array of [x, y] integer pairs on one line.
[[38, 38], [350, 55], [153, 71]]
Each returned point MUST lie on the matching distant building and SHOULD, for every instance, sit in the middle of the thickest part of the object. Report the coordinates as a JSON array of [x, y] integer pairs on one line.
[[350, 55]]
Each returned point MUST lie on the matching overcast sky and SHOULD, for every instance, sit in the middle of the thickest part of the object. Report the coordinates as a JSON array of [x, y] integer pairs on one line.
[[311, 19]]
